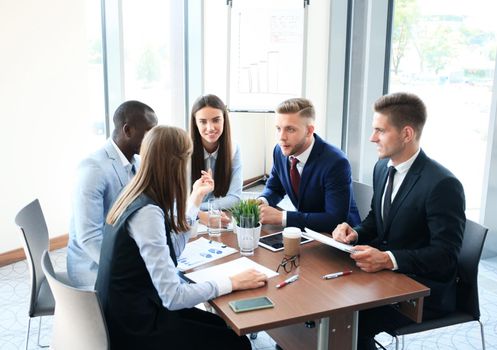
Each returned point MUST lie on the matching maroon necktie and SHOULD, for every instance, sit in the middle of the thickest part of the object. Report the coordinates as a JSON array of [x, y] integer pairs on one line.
[[295, 176]]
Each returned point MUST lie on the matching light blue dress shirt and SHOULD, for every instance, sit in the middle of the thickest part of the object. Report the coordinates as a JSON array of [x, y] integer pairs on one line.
[[146, 227], [235, 190]]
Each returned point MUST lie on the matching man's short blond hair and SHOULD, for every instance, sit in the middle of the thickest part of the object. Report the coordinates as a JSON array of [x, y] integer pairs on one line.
[[302, 106]]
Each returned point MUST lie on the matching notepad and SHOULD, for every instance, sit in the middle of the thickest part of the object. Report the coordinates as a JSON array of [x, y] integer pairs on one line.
[[229, 269]]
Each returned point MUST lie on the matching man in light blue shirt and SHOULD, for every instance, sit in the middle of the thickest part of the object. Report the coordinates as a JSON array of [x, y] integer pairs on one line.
[[101, 177]]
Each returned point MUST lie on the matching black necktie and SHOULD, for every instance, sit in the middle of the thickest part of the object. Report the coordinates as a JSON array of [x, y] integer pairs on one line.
[[295, 176], [387, 203], [131, 170]]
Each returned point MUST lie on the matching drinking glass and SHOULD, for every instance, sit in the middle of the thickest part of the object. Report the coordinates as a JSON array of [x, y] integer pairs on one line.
[[245, 234], [193, 223], [214, 221]]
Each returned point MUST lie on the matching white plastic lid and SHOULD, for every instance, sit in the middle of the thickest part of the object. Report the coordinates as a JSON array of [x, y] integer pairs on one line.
[[292, 232]]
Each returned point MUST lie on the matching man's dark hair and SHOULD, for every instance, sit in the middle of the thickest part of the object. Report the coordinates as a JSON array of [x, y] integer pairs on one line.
[[130, 112], [403, 109]]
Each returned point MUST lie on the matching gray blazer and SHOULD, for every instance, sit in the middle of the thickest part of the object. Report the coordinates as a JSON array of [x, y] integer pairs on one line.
[[100, 178]]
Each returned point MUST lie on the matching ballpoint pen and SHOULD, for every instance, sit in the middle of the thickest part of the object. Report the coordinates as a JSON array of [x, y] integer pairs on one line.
[[287, 281], [336, 274]]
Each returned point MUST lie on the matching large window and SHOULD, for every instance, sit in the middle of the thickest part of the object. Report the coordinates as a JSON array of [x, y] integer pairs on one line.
[[445, 52], [153, 44]]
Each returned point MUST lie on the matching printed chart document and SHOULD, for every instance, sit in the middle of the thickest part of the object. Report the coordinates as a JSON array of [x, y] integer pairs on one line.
[[229, 269], [202, 251], [329, 241]]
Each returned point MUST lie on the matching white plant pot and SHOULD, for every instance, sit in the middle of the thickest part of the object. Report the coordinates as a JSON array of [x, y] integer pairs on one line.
[[256, 234]]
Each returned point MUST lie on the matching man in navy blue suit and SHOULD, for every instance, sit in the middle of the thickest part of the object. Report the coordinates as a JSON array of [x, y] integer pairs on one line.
[[417, 219], [315, 175]]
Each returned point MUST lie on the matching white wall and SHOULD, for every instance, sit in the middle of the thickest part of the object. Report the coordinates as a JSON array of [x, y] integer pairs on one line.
[[255, 134], [316, 79], [43, 95]]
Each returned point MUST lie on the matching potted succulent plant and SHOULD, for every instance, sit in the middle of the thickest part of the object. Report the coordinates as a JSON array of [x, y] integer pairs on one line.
[[246, 216]]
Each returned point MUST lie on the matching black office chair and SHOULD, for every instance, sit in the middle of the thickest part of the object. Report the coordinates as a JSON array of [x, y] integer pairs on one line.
[[34, 230], [467, 304], [362, 194]]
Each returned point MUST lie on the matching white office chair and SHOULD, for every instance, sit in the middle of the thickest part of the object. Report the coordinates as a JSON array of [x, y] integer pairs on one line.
[[79, 322]]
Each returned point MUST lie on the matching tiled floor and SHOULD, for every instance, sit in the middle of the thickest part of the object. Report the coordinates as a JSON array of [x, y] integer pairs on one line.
[[14, 302], [14, 292]]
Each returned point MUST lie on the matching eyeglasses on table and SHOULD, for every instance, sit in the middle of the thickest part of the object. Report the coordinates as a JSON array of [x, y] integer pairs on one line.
[[288, 263]]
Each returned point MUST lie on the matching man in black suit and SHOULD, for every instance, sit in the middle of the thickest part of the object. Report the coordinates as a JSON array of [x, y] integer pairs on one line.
[[416, 222]]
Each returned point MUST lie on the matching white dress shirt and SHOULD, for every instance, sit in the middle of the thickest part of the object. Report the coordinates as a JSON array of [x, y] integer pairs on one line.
[[126, 164], [398, 178], [210, 159], [234, 193], [302, 157]]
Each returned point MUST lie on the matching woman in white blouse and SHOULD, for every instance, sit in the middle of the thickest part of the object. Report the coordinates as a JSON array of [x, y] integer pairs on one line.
[[213, 150]]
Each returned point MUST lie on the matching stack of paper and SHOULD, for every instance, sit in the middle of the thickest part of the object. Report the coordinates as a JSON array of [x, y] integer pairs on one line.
[[329, 241], [228, 269]]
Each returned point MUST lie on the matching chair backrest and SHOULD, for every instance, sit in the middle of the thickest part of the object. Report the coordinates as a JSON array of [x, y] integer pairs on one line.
[[79, 323], [469, 258], [34, 230], [363, 194]]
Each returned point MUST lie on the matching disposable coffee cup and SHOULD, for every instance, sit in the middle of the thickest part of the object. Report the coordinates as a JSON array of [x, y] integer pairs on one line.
[[291, 241]]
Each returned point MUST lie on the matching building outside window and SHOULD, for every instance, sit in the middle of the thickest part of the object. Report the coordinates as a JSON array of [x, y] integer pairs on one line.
[[445, 51]]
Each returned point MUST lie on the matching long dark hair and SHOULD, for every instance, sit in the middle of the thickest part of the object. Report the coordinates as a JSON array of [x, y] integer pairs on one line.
[[222, 171]]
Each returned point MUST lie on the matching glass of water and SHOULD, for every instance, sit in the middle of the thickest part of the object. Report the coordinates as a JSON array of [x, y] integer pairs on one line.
[[214, 222], [245, 235]]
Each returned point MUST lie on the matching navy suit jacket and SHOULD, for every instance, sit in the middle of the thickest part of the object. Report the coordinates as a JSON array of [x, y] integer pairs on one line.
[[424, 229], [325, 196]]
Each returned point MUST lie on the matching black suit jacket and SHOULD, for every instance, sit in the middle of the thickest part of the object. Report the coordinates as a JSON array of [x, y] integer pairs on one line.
[[424, 230]]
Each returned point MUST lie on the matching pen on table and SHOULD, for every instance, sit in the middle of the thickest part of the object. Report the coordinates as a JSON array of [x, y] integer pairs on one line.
[[336, 274], [288, 281]]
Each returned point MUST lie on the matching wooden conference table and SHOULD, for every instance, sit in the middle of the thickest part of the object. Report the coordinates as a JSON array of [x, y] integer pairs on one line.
[[333, 304]]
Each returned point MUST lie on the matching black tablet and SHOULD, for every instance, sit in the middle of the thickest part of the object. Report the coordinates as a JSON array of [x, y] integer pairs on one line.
[[274, 241]]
